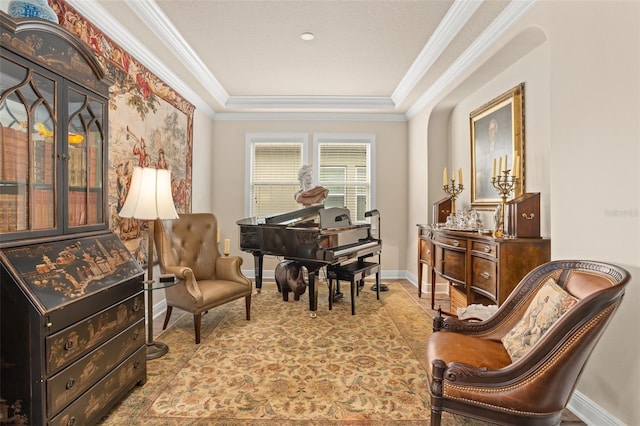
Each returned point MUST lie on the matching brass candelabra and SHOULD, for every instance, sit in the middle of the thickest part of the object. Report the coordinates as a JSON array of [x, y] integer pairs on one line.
[[453, 190], [504, 185]]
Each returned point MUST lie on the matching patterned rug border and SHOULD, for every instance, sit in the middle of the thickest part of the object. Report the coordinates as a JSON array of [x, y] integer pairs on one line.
[[407, 316]]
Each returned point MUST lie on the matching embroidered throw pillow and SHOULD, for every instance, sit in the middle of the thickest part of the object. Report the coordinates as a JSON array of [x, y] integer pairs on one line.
[[547, 306]]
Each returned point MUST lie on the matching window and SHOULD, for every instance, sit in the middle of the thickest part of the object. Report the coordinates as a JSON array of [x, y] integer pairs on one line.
[[334, 178], [341, 163], [274, 164], [345, 169]]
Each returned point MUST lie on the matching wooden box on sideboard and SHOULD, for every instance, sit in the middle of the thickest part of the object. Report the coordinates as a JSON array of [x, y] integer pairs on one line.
[[522, 216], [441, 209]]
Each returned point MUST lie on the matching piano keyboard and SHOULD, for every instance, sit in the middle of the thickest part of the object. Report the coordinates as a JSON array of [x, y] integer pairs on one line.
[[349, 249]]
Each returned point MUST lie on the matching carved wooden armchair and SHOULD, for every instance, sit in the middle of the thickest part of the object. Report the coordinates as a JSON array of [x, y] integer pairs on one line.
[[521, 365], [188, 248]]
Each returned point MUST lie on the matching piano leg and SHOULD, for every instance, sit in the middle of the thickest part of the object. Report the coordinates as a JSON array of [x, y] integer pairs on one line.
[[258, 259], [313, 291], [378, 286], [338, 294], [334, 292]]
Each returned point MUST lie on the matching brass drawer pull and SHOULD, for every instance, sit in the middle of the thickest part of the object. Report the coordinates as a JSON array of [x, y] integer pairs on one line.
[[529, 217], [72, 421], [485, 275], [486, 249], [136, 364], [70, 384], [69, 345], [455, 243], [136, 335], [136, 306]]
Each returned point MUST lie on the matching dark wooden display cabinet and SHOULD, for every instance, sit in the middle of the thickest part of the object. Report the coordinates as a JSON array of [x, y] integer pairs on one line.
[[54, 98], [72, 310]]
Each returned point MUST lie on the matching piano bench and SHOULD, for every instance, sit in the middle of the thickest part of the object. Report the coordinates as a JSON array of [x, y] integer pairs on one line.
[[354, 272]]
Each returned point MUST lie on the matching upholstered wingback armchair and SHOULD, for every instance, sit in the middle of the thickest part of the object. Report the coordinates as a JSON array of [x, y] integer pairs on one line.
[[188, 248], [522, 364]]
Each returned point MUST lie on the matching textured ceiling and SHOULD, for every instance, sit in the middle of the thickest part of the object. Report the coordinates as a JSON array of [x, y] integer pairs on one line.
[[239, 56]]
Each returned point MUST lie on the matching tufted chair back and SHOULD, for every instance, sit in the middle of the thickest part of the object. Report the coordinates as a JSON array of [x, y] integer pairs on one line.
[[495, 371], [193, 242], [188, 248]]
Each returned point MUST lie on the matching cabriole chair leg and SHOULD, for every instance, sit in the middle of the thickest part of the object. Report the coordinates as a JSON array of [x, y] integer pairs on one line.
[[197, 321], [167, 316]]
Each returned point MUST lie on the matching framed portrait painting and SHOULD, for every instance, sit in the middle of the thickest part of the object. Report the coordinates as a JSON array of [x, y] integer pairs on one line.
[[497, 142]]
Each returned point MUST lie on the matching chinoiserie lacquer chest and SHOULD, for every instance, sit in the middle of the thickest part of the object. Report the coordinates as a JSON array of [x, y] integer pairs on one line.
[[72, 329]]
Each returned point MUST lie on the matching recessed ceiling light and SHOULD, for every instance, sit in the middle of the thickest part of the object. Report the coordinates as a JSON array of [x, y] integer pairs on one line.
[[307, 36]]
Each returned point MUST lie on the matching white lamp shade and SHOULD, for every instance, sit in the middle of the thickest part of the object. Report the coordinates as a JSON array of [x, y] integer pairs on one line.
[[149, 195]]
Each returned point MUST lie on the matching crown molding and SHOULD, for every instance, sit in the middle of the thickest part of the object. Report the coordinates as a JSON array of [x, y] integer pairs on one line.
[[455, 19], [490, 35], [307, 103], [326, 107], [102, 19], [307, 116], [150, 13]]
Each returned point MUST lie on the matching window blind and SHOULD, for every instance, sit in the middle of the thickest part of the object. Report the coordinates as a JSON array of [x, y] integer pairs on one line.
[[345, 171], [274, 177]]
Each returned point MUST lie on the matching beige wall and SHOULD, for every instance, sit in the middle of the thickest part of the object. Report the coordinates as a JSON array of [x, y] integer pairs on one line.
[[595, 153], [582, 147], [202, 173], [229, 174]]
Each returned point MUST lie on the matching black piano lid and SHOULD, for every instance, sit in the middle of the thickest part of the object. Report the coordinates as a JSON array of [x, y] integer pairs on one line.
[[283, 218]]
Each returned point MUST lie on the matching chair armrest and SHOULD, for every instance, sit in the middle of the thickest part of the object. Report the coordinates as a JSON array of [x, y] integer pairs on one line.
[[178, 271], [184, 274], [493, 327], [450, 322], [228, 268], [462, 374]]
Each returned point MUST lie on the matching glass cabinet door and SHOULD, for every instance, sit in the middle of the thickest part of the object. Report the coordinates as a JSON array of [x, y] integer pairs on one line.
[[54, 98], [27, 149], [85, 144]]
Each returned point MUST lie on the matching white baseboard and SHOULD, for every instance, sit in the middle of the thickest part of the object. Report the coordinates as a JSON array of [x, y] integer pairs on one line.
[[159, 308], [590, 412], [441, 287], [268, 274]]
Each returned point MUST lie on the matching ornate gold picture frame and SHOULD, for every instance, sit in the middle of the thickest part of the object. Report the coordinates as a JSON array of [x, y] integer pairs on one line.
[[497, 136]]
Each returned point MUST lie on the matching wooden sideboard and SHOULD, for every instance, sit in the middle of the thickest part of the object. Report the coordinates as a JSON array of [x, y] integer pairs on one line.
[[479, 268]]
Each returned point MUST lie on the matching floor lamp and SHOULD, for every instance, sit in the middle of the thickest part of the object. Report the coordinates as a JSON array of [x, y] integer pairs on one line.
[[149, 198]]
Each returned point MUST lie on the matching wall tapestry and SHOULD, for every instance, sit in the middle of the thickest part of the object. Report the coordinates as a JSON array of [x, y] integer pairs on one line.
[[150, 125]]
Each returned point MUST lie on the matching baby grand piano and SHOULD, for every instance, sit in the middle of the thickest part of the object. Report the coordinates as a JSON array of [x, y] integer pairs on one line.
[[313, 236]]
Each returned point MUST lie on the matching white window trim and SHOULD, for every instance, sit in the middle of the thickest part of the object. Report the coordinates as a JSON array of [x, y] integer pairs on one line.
[[368, 138], [251, 138]]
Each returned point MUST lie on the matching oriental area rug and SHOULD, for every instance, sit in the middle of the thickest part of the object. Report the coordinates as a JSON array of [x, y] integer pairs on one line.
[[285, 368]]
